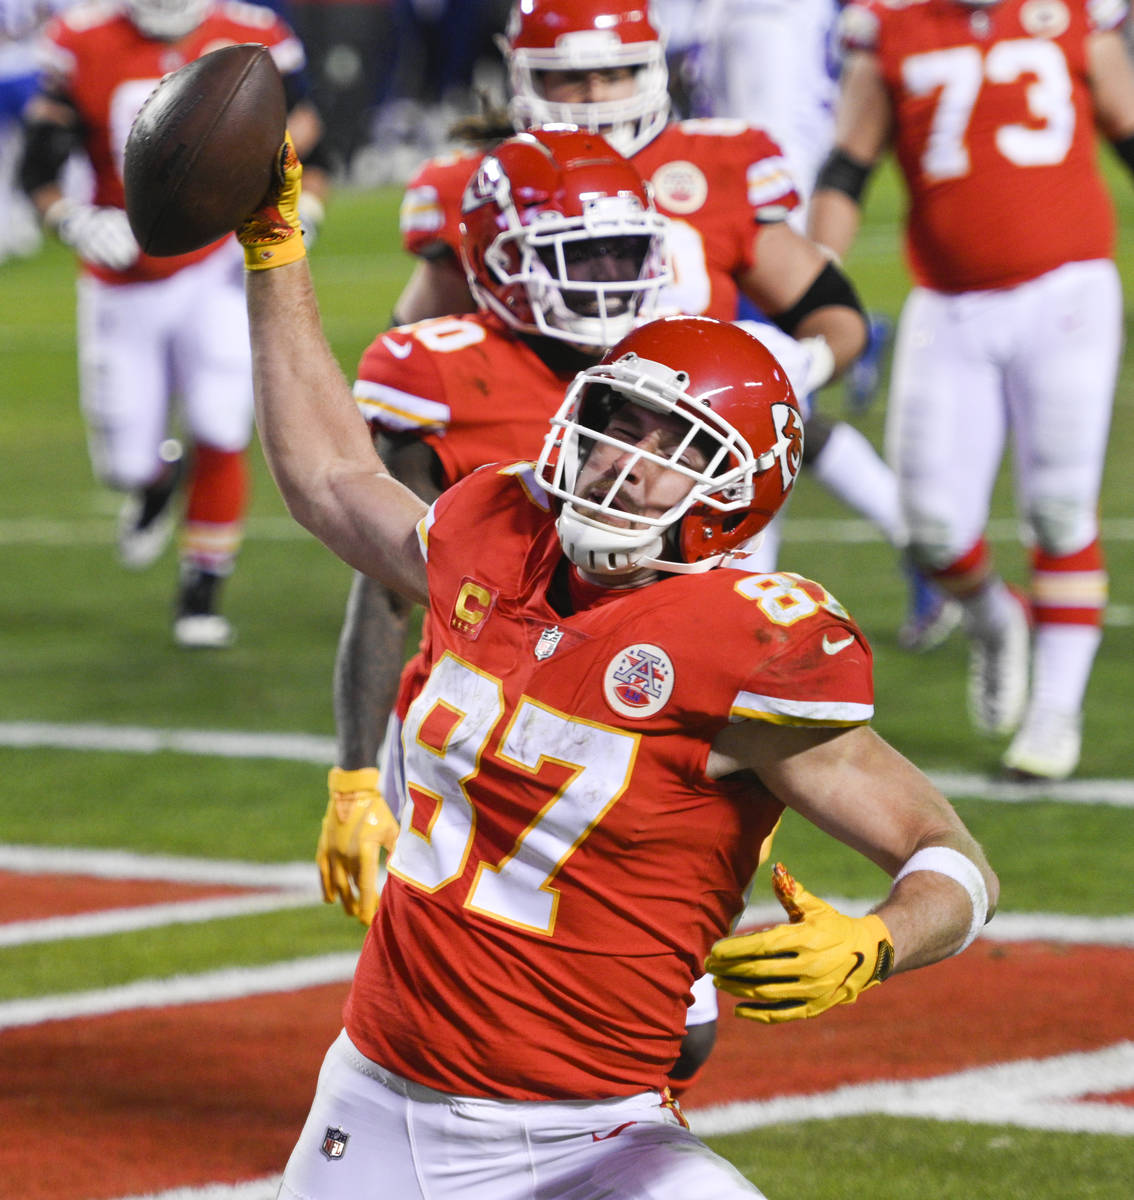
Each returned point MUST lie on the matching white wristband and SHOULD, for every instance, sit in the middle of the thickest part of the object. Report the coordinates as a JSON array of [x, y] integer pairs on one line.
[[944, 861]]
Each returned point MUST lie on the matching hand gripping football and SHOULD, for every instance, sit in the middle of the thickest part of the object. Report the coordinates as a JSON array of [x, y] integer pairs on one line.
[[202, 148]]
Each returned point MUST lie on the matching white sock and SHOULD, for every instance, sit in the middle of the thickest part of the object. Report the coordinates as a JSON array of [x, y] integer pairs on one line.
[[854, 472], [1062, 657]]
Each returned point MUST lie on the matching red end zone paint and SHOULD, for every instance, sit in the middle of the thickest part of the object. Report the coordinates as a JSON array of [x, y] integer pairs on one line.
[[37, 897], [151, 1100]]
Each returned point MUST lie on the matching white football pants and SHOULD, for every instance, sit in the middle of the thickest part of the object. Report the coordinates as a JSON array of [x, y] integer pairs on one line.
[[371, 1135], [142, 344], [1038, 361]]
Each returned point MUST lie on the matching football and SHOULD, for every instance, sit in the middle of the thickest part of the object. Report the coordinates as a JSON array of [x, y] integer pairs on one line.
[[201, 151]]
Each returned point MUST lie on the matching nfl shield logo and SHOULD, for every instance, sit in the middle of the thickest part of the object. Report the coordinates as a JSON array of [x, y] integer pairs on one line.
[[334, 1143], [548, 640]]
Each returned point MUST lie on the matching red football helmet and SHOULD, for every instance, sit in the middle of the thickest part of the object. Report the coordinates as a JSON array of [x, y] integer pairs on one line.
[[738, 409], [588, 35], [560, 238]]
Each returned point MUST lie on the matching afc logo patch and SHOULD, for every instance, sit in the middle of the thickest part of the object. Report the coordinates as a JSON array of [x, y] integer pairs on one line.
[[638, 681], [334, 1143]]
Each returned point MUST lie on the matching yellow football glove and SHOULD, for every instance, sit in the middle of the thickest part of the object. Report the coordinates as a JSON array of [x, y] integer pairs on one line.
[[819, 959], [358, 823], [273, 235]]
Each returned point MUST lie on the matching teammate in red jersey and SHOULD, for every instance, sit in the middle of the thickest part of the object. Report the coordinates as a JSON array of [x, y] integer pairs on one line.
[[617, 712], [154, 329], [1015, 322]]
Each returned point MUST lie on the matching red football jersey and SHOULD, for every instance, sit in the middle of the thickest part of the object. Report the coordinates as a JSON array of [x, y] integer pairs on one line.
[[465, 385], [994, 134], [95, 56], [567, 863], [717, 181]]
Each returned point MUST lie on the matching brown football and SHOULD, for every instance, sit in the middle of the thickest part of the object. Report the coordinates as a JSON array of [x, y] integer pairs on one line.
[[202, 148]]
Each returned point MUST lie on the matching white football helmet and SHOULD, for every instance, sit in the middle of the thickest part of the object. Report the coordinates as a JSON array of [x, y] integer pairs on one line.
[[559, 238], [731, 400], [167, 20], [588, 35]]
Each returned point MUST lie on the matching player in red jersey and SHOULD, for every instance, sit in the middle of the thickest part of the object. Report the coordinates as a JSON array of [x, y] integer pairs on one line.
[[618, 710], [565, 254], [154, 329], [729, 193], [1015, 322]]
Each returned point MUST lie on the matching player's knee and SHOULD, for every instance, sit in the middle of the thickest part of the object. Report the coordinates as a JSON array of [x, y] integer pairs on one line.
[[122, 475], [1061, 526], [930, 546]]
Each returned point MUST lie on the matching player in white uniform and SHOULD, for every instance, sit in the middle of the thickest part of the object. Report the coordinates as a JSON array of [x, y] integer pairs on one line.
[[155, 332], [1014, 325]]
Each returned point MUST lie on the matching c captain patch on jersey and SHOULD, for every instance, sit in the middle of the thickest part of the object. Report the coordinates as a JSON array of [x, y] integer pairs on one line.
[[639, 681]]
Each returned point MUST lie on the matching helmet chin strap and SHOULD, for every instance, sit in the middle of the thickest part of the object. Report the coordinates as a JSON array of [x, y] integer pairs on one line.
[[589, 547]]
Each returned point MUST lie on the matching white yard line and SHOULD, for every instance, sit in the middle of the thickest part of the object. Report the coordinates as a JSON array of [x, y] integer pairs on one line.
[[1030, 1093], [152, 916], [255, 1189], [307, 747], [206, 988], [136, 739], [168, 868], [284, 885]]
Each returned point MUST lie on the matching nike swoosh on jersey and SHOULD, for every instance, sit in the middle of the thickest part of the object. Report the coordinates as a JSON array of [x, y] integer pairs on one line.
[[398, 349], [613, 1133], [830, 647]]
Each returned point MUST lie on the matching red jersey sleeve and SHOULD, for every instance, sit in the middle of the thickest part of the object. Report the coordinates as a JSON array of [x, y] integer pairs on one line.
[[399, 388]]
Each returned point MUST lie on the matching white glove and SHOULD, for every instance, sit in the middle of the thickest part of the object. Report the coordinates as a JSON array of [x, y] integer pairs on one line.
[[809, 363], [100, 236]]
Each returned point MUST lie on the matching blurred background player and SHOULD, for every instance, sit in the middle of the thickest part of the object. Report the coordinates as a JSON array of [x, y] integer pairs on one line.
[[20, 24], [155, 330], [775, 64], [564, 255], [1015, 322]]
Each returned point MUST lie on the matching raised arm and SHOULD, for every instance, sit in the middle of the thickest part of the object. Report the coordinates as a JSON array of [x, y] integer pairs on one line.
[[314, 438]]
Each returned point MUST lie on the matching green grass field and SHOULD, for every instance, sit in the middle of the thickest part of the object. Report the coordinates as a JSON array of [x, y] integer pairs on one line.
[[83, 642]]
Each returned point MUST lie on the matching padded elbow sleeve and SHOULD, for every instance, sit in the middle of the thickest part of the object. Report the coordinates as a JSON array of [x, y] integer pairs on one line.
[[829, 287], [47, 146]]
